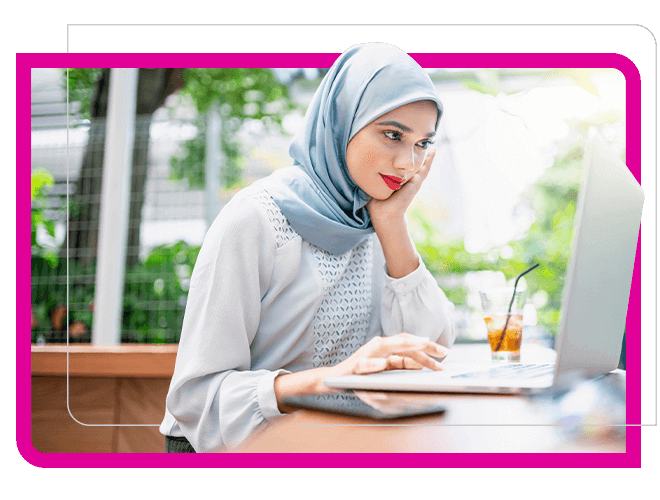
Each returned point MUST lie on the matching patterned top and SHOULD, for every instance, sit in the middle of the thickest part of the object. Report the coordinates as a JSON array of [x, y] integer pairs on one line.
[[264, 302], [342, 321]]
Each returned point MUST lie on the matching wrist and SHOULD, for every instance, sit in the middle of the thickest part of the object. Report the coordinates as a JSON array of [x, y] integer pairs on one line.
[[323, 373], [389, 222], [306, 382]]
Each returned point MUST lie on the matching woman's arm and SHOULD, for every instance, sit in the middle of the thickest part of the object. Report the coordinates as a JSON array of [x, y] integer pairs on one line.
[[399, 352], [388, 219], [395, 352], [298, 384], [412, 301], [215, 397], [398, 248]]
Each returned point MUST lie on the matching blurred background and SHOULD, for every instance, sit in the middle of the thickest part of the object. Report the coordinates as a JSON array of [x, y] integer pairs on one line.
[[500, 196]]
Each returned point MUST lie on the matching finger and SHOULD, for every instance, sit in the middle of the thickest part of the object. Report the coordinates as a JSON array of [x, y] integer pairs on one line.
[[431, 155], [369, 365], [405, 342], [432, 348], [396, 363], [426, 165], [408, 363], [364, 366], [422, 360]]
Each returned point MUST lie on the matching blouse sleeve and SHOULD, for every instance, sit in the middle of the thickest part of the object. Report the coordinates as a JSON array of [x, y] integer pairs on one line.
[[416, 304], [214, 397]]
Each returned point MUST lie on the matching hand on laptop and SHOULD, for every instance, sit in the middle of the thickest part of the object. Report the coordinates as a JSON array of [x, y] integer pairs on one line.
[[399, 352]]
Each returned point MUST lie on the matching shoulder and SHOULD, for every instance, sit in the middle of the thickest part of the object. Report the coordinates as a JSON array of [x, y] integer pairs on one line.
[[252, 214], [241, 236], [270, 213]]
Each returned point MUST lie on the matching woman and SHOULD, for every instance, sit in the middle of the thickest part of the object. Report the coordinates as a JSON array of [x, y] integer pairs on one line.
[[310, 272]]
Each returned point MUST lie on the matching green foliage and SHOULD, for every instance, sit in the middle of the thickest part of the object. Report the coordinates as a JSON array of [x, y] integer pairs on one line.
[[49, 291], [155, 294], [479, 87], [40, 181], [548, 241], [239, 94], [486, 81], [155, 290], [81, 87], [154, 299], [189, 163]]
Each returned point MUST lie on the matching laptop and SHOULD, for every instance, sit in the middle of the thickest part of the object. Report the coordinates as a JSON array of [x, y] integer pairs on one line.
[[594, 300]]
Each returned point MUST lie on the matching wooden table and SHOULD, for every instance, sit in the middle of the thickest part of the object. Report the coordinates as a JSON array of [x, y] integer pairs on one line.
[[471, 424], [127, 385], [117, 391]]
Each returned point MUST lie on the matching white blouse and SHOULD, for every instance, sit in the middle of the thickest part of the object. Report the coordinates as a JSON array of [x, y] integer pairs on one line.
[[264, 302]]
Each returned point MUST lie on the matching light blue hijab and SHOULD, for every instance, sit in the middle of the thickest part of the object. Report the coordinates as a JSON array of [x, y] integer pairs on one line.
[[317, 195]]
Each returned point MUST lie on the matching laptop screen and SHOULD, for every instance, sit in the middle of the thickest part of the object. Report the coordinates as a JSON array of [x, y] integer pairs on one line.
[[599, 274]]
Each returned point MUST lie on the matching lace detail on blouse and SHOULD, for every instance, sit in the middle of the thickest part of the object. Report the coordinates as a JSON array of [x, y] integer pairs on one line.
[[342, 321], [283, 230]]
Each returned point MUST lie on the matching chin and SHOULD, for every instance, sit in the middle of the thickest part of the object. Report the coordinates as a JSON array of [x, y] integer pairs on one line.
[[381, 196]]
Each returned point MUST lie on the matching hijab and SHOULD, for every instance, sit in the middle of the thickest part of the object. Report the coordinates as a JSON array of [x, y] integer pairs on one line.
[[316, 194]]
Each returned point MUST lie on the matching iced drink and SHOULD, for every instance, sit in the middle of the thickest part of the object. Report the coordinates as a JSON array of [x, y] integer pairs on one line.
[[504, 336], [509, 349]]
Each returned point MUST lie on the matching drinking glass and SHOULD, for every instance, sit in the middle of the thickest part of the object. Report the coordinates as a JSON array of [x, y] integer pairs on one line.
[[504, 322]]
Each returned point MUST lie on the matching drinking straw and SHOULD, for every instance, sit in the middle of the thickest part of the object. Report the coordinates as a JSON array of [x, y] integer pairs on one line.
[[508, 314]]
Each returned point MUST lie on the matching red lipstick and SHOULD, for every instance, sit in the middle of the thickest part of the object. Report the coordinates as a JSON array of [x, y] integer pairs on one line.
[[394, 183]]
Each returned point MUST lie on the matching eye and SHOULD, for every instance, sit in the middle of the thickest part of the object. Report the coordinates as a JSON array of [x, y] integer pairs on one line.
[[392, 135], [425, 144]]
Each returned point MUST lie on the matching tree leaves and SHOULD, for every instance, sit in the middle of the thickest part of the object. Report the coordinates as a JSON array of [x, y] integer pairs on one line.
[[81, 87], [235, 87], [239, 94]]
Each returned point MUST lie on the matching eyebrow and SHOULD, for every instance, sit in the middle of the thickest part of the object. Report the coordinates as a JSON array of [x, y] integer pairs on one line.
[[402, 127]]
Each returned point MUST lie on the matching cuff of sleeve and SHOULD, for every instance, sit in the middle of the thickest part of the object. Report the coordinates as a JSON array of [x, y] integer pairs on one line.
[[266, 395], [407, 283]]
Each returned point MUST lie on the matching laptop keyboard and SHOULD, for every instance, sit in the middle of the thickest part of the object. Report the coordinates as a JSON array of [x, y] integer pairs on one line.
[[513, 370]]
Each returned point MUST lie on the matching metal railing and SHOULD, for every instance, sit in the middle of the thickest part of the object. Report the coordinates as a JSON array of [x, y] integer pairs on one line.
[[164, 223]]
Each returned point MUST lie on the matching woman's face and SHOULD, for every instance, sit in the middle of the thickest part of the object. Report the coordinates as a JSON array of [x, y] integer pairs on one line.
[[389, 151]]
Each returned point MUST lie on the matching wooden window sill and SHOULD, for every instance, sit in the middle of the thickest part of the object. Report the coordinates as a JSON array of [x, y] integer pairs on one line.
[[123, 360]]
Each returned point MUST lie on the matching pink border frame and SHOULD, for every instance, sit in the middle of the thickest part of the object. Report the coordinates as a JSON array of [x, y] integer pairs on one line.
[[25, 62]]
